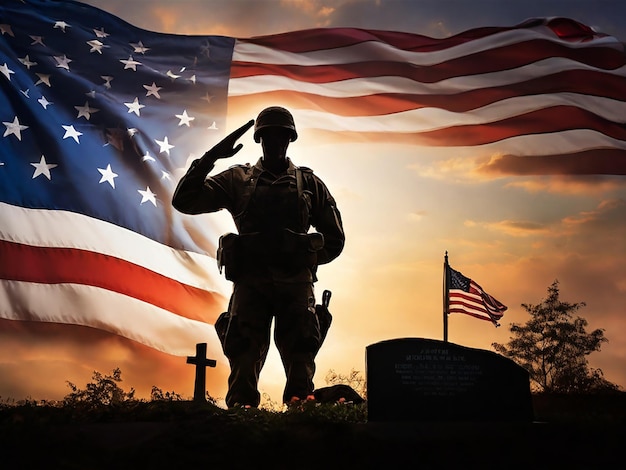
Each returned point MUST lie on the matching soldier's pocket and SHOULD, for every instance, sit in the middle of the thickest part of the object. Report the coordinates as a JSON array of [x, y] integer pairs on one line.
[[228, 332]]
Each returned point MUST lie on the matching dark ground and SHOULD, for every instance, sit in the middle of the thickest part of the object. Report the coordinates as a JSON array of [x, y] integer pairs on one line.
[[569, 432]]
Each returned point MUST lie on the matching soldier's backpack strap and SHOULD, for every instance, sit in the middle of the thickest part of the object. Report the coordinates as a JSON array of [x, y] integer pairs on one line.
[[302, 184], [301, 179], [253, 173], [299, 183]]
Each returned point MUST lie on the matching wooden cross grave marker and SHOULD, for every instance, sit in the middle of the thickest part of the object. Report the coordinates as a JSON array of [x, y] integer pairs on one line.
[[201, 362]]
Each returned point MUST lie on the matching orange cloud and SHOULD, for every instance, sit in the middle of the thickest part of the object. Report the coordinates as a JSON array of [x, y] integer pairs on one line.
[[592, 184], [313, 8], [515, 228], [417, 216]]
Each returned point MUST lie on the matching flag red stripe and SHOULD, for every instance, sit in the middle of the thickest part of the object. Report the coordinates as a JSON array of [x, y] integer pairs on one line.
[[551, 120], [466, 299], [601, 161], [332, 38], [598, 161], [67, 265]]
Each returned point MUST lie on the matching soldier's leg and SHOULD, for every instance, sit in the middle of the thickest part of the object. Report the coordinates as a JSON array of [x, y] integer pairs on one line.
[[295, 305], [252, 314]]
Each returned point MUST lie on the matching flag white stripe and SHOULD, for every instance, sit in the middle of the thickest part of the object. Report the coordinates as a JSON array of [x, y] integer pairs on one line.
[[105, 310], [561, 142], [364, 86]]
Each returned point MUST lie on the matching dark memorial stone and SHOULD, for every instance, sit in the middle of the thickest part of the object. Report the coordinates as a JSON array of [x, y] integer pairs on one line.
[[417, 379]]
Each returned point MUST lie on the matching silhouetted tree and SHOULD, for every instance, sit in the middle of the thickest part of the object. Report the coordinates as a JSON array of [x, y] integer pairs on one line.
[[159, 395], [102, 391], [553, 346]]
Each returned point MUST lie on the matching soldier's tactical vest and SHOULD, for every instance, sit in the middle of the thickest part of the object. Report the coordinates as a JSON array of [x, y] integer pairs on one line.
[[273, 224]]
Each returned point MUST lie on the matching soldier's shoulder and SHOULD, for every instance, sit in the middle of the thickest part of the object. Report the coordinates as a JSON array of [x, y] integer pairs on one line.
[[305, 169], [240, 167]]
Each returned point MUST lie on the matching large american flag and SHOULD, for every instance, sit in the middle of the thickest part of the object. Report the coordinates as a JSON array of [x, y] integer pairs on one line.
[[99, 119], [466, 296]]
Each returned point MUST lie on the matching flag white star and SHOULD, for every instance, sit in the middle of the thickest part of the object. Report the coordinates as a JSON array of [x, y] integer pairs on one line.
[[27, 62], [130, 63], [71, 132], [139, 47], [108, 175], [147, 195], [100, 33], [43, 78], [213, 126], [14, 128], [107, 80], [43, 168], [148, 158], [62, 25], [25, 93], [6, 71], [96, 46], [37, 40], [6, 29], [85, 111], [135, 106], [184, 119], [172, 75], [63, 62], [153, 90], [205, 49], [165, 175], [164, 146], [208, 98], [44, 102]]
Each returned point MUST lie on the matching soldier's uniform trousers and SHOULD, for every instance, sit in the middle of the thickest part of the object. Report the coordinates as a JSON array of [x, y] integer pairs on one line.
[[253, 305]]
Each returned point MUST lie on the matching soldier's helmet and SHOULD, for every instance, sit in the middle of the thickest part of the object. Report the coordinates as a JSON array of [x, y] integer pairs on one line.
[[274, 116]]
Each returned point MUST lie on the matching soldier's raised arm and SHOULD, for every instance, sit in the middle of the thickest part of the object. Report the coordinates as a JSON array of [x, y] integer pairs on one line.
[[186, 196]]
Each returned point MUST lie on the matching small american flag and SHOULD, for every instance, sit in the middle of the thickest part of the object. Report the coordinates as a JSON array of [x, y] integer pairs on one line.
[[466, 296]]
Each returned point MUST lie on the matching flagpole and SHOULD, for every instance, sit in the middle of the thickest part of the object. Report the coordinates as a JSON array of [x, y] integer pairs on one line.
[[446, 298]]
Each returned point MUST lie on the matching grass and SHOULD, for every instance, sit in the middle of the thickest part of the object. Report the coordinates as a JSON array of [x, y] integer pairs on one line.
[[104, 427]]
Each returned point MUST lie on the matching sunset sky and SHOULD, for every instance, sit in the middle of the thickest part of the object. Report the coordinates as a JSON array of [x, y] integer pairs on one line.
[[403, 207]]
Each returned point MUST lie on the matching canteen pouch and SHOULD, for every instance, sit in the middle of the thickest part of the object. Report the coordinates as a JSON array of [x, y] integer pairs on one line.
[[228, 256]]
